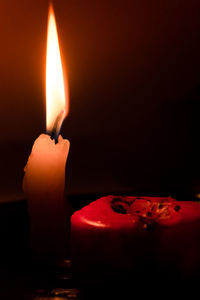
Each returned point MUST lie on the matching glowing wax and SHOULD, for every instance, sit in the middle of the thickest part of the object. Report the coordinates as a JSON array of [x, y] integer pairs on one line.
[[44, 186]]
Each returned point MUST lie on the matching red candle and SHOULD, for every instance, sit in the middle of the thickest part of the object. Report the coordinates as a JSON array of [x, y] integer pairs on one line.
[[115, 236]]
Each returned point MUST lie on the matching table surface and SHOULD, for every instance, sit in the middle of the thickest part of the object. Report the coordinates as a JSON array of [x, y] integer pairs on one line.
[[24, 279]]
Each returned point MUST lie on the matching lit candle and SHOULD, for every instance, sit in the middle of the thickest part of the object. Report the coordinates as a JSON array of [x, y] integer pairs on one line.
[[114, 238], [44, 180]]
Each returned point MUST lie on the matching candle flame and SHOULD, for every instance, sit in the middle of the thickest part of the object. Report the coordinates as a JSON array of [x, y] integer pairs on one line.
[[56, 100]]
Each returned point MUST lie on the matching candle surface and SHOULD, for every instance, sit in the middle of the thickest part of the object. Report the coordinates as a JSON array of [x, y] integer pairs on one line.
[[44, 185], [115, 236]]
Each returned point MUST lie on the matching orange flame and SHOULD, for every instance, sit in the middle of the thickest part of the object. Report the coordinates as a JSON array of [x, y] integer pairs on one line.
[[57, 106]]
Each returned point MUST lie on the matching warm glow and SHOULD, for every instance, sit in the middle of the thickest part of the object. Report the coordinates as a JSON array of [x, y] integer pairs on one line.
[[56, 95]]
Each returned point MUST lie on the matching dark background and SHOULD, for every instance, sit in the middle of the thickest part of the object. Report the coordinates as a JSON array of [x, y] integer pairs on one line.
[[134, 78]]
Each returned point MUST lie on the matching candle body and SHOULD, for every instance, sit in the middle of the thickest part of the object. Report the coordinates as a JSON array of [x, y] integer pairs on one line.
[[120, 237], [44, 186]]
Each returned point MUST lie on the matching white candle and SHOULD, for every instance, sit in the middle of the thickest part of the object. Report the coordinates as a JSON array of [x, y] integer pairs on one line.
[[43, 185], [44, 180]]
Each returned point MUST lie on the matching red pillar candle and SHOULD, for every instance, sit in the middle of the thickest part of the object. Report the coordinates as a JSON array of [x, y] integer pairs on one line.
[[115, 236]]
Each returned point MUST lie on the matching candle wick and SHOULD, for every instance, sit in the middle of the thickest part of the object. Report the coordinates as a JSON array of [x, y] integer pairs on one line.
[[54, 135], [56, 127]]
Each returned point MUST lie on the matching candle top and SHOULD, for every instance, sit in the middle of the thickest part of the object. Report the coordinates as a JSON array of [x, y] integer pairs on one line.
[[119, 212]]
